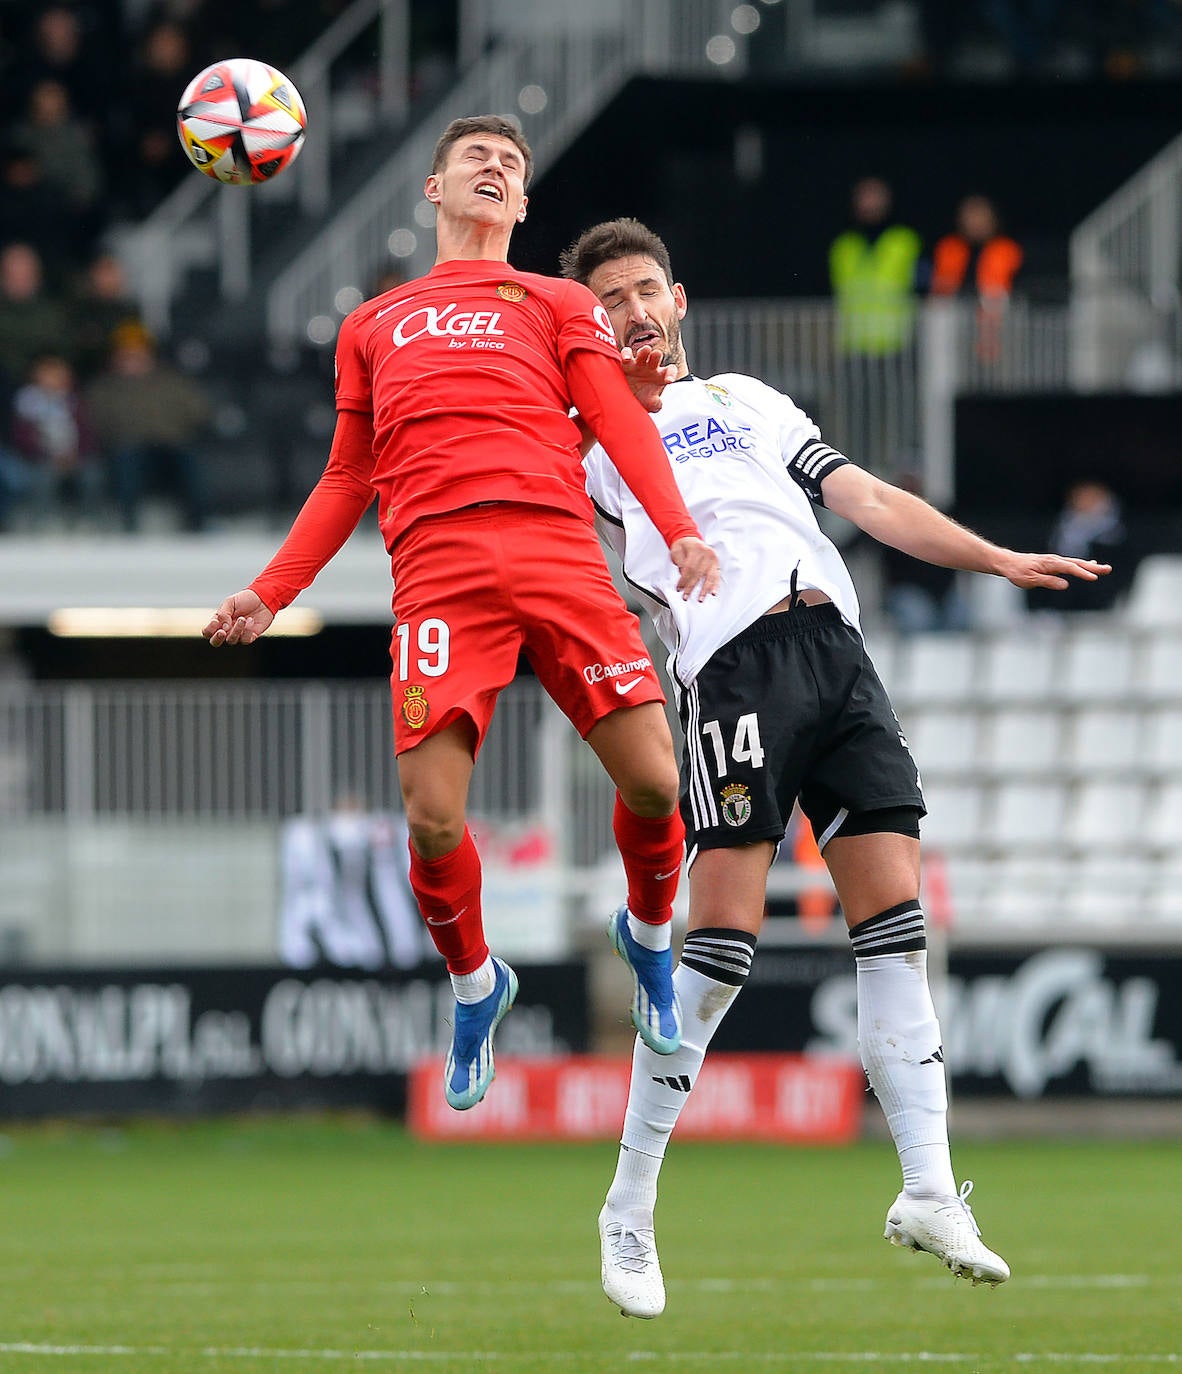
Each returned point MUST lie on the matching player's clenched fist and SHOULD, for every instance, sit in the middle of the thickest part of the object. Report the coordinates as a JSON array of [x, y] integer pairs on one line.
[[697, 563], [240, 619]]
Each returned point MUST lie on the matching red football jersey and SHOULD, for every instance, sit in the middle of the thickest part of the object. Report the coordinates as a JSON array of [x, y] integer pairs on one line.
[[462, 370]]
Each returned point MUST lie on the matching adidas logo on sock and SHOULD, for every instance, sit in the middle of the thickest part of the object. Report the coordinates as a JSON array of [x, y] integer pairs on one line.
[[937, 1058], [680, 1083]]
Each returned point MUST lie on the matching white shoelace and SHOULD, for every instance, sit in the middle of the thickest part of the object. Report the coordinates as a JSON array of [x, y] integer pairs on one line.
[[966, 1189], [631, 1250]]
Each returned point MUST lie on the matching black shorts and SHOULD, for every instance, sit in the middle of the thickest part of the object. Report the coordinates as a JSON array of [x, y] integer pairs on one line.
[[790, 708]]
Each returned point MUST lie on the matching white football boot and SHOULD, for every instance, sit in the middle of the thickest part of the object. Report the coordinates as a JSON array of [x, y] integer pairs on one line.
[[631, 1271], [946, 1228]]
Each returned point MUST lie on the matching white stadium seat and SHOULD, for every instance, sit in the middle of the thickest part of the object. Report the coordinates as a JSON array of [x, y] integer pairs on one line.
[[953, 821], [1161, 741], [1020, 667], [1160, 671], [1107, 816], [1096, 665], [1106, 890], [1156, 598], [943, 741], [936, 667], [1023, 816], [1104, 738], [1163, 817], [1021, 740]]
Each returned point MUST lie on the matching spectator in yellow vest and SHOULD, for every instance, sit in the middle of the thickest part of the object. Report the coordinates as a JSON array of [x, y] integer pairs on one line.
[[872, 270]]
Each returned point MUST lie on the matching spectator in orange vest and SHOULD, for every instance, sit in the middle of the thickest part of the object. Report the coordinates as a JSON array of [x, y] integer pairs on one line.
[[978, 261]]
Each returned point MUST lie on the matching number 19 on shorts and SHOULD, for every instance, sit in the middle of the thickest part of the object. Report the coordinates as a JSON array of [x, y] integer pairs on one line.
[[426, 653]]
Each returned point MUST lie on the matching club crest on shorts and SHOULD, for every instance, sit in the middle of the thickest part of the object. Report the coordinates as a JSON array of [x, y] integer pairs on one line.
[[511, 291], [736, 803], [415, 707]]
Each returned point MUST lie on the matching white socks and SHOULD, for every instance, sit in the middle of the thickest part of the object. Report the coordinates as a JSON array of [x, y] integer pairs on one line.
[[899, 1040], [650, 936], [475, 986]]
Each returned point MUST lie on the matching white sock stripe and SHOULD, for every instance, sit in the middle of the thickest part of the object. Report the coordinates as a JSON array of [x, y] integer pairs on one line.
[[906, 923]]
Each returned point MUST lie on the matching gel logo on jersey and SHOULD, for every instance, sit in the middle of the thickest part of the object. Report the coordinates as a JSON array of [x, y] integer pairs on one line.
[[448, 322], [704, 437]]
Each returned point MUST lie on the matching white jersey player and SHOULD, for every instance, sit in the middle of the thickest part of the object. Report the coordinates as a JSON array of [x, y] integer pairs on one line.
[[780, 704]]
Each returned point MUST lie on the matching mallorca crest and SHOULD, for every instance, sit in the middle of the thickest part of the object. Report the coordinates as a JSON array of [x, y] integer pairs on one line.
[[511, 291], [415, 707], [736, 803]]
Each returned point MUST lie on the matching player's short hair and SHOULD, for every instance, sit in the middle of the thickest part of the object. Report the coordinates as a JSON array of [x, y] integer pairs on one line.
[[499, 125], [612, 239]]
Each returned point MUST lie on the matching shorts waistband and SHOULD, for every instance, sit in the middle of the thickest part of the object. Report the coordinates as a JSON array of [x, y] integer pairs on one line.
[[786, 624]]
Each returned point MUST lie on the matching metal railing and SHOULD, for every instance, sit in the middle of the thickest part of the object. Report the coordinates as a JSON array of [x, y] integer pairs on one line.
[[554, 83], [202, 223]]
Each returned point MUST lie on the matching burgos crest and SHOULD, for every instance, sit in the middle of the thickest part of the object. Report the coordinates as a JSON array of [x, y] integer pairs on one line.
[[719, 394], [415, 708], [736, 803]]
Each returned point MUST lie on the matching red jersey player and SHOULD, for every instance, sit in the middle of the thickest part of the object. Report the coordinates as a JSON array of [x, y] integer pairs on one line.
[[453, 395]]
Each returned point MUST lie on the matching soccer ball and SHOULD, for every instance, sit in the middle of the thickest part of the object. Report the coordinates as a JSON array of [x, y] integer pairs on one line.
[[241, 121]]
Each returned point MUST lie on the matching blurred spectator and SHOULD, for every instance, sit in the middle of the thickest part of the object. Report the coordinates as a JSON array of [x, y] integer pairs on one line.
[[1090, 525], [978, 261], [67, 45], [53, 463], [919, 597], [33, 211], [148, 418], [100, 304], [162, 70], [31, 321], [872, 270], [62, 144]]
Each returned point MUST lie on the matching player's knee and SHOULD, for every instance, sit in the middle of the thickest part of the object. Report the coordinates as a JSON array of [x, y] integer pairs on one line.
[[434, 832], [653, 795]]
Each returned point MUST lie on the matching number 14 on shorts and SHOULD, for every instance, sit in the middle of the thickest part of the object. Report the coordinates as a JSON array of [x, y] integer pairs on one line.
[[745, 747]]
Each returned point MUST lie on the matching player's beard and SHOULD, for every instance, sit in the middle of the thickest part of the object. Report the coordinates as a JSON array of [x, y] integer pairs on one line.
[[673, 352]]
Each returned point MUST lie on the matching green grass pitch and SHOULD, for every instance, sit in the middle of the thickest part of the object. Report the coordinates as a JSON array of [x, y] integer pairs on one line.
[[313, 1245]]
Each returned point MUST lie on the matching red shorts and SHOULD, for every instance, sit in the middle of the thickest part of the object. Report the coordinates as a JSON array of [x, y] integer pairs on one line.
[[475, 588]]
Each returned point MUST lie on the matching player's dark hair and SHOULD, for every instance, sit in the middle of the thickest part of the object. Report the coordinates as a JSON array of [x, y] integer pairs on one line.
[[614, 238], [481, 124]]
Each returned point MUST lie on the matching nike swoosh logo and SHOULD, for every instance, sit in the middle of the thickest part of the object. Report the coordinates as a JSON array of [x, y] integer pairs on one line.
[[451, 920], [625, 687], [673, 872], [385, 310]]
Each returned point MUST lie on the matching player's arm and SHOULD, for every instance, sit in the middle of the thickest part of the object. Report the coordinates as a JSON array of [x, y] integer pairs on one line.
[[329, 516], [646, 376], [896, 517], [603, 399]]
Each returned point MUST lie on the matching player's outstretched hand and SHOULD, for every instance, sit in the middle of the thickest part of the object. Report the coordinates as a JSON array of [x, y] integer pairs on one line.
[[698, 565], [646, 375], [240, 619], [1052, 570]]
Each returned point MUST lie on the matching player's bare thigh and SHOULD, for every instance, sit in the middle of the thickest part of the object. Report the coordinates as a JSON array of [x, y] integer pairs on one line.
[[872, 873], [434, 778], [728, 887], [635, 747]]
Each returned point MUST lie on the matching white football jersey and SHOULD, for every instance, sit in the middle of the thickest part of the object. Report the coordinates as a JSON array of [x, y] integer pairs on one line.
[[749, 464]]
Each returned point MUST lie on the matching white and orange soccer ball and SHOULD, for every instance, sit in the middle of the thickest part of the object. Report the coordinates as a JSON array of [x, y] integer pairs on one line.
[[241, 121]]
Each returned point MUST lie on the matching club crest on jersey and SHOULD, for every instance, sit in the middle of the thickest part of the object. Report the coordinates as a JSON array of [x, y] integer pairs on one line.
[[719, 394], [415, 708], [511, 291], [736, 803]]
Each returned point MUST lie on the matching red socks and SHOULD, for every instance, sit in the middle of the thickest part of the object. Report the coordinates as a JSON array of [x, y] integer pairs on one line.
[[448, 894], [652, 852]]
